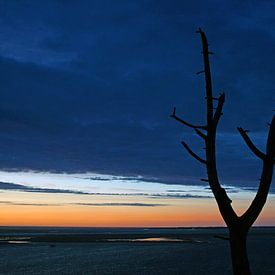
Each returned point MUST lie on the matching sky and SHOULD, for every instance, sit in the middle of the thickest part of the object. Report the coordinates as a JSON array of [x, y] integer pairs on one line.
[[87, 89]]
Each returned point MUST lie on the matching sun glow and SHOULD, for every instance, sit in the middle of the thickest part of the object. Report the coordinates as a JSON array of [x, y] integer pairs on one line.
[[47, 199]]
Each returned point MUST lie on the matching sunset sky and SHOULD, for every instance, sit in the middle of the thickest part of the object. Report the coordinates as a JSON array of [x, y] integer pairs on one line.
[[87, 88]]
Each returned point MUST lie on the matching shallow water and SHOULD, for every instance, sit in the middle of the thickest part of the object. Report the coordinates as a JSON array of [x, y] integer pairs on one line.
[[46, 255]]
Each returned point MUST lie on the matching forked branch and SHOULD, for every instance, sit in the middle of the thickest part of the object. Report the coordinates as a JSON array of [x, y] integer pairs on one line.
[[209, 137], [221, 197], [238, 226]]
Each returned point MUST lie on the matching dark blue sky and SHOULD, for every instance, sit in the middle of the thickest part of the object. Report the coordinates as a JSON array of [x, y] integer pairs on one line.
[[90, 85]]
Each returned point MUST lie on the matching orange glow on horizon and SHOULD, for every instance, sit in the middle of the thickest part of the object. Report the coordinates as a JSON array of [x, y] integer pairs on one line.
[[105, 216], [112, 216], [70, 213]]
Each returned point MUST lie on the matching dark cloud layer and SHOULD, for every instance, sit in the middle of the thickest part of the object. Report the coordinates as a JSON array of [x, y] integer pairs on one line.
[[135, 204], [89, 85], [23, 188]]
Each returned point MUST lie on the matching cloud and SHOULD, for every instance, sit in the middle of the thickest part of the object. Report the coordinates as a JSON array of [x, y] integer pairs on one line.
[[89, 86], [134, 204], [23, 188], [181, 196], [229, 189], [122, 204], [28, 204]]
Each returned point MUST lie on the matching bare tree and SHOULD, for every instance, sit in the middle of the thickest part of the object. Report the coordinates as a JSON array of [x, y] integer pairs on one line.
[[238, 225]]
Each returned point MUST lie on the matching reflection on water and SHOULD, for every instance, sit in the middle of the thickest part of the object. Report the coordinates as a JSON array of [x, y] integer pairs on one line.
[[17, 242], [14, 240], [153, 239], [33, 235], [159, 239]]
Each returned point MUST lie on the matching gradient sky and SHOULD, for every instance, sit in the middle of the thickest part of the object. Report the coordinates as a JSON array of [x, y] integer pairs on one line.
[[87, 87]]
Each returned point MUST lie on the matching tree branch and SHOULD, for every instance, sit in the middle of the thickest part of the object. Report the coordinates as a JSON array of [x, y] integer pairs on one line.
[[223, 201], [270, 145], [252, 213], [194, 155], [185, 122], [218, 112], [207, 75], [250, 144], [200, 133]]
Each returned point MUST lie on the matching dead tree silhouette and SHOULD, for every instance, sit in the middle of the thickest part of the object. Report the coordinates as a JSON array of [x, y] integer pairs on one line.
[[238, 225]]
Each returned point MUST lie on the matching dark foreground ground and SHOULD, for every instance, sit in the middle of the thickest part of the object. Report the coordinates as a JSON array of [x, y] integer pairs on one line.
[[128, 251]]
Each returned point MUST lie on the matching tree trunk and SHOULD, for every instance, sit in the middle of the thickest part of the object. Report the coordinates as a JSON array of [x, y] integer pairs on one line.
[[239, 257], [238, 226]]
